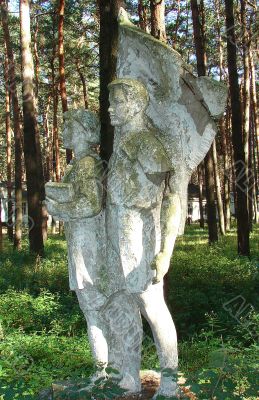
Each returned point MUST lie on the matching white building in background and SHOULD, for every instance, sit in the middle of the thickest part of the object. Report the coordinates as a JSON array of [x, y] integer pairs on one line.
[[4, 204], [193, 211]]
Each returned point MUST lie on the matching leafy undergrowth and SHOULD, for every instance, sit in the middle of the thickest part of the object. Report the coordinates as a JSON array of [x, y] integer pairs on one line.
[[213, 301]]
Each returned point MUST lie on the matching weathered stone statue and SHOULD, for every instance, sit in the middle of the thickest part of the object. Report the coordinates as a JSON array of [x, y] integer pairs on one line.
[[164, 126], [143, 217], [77, 201], [109, 310], [163, 117]]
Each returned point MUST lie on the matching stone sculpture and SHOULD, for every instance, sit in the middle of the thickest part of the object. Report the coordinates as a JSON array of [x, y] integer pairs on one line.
[[109, 310], [164, 126], [143, 217], [77, 201]]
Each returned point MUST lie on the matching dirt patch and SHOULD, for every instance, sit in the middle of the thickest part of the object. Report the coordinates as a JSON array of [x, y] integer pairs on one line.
[[149, 379]]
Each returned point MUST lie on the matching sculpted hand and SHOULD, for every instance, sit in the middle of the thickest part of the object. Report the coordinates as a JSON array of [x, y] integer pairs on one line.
[[52, 206], [161, 264]]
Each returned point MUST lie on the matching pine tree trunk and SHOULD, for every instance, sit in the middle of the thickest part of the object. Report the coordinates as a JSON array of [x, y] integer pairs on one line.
[[225, 150], [210, 197], [255, 133], [254, 104], [55, 136], [246, 86], [199, 40], [84, 86], [177, 24], [218, 190], [48, 168], [220, 46], [17, 129], [8, 153], [55, 155], [32, 155], [238, 146], [36, 58], [200, 175], [157, 9], [251, 182], [108, 45], [61, 57], [142, 13]]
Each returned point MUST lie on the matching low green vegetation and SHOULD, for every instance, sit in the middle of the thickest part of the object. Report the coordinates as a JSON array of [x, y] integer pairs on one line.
[[212, 298]]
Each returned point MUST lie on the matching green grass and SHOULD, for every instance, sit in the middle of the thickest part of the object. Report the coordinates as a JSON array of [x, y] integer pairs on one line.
[[43, 333]]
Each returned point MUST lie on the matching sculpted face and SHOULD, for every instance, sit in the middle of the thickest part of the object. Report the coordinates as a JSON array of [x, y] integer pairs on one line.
[[81, 130], [121, 109]]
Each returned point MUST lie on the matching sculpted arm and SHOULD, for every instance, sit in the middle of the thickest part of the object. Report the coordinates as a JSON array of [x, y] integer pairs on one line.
[[172, 208], [171, 211], [87, 202], [82, 197]]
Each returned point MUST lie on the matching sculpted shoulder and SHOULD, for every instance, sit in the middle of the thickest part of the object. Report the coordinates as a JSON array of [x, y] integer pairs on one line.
[[145, 148], [90, 167]]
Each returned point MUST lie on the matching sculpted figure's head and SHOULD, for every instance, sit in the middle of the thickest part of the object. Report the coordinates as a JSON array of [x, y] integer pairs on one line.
[[81, 130], [128, 97]]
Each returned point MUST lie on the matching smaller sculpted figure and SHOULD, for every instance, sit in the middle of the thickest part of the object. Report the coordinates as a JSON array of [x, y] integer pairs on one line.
[[109, 310], [143, 217], [77, 201]]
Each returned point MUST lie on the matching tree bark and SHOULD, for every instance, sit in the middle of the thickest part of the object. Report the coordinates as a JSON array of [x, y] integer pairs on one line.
[[108, 47], [177, 24], [246, 85], [157, 8], [8, 153], [200, 175], [218, 190], [225, 149], [84, 86], [254, 104], [199, 40], [142, 13], [238, 146], [48, 167], [220, 45], [255, 134], [17, 128], [36, 58], [32, 154], [55, 136], [61, 57], [226, 208]]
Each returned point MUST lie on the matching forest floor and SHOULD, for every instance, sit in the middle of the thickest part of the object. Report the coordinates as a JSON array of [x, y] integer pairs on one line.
[[212, 297]]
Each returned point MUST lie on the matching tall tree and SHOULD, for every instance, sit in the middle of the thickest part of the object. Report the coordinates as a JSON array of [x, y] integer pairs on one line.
[[32, 153], [218, 190], [157, 8], [199, 41], [142, 14], [254, 139], [8, 153], [200, 180], [83, 81], [61, 57], [224, 129], [108, 46], [246, 85], [16, 127], [238, 145]]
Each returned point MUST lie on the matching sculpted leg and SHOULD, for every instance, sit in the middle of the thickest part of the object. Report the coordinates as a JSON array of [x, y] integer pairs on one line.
[[122, 316], [154, 309], [97, 332]]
